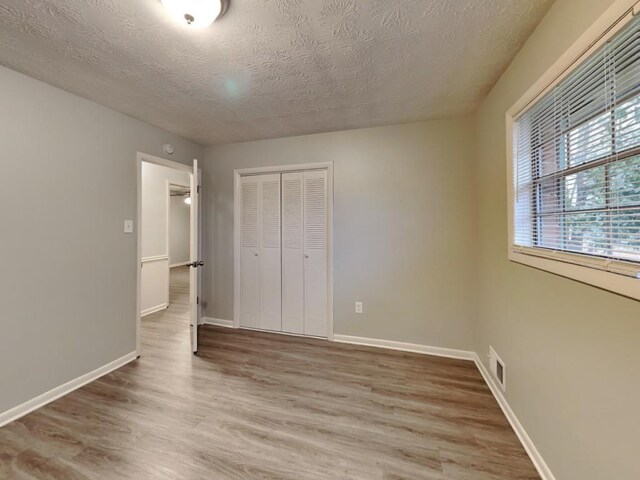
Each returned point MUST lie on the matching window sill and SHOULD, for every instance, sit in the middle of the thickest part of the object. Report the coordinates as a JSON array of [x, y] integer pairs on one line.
[[620, 284]]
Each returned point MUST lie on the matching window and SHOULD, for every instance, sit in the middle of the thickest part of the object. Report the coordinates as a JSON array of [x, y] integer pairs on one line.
[[576, 162]]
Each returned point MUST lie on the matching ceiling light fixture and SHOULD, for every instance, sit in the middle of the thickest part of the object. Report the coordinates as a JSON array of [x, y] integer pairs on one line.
[[196, 13]]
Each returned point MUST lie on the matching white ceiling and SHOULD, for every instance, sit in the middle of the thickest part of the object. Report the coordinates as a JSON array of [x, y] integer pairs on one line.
[[271, 68]]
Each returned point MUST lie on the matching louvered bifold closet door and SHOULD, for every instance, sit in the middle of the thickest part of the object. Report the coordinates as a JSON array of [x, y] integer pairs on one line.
[[315, 252], [249, 252], [292, 253], [270, 258]]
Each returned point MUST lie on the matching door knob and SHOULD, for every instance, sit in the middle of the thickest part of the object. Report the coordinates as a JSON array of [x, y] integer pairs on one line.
[[306, 255], [255, 254]]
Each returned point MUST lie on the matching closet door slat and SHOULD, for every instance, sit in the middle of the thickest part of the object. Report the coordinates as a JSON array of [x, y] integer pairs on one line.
[[270, 253], [315, 253], [249, 260], [292, 253]]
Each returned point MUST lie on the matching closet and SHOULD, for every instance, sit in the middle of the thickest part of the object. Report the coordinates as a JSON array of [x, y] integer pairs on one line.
[[283, 252]]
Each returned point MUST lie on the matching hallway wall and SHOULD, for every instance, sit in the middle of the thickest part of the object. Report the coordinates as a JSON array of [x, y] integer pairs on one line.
[[179, 231], [155, 234]]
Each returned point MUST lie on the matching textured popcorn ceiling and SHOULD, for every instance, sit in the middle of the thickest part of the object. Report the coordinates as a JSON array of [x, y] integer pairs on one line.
[[271, 68]]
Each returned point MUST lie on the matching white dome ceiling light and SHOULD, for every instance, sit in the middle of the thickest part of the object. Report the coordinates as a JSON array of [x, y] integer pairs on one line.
[[196, 13]]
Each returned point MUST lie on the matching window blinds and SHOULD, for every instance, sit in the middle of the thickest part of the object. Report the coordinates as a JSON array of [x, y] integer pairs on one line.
[[577, 160]]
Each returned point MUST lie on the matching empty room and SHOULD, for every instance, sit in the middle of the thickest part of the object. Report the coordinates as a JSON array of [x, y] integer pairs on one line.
[[320, 239]]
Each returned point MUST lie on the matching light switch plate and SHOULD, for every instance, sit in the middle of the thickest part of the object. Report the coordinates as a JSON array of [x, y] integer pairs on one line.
[[358, 307], [128, 226]]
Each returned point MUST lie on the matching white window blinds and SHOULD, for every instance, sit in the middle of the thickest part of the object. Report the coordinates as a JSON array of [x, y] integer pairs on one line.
[[577, 162]]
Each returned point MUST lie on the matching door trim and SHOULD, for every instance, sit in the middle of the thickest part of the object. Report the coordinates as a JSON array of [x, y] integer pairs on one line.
[[237, 174], [144, 157]]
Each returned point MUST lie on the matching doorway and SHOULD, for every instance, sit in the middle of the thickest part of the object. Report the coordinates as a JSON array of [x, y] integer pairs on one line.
[[168, 254]]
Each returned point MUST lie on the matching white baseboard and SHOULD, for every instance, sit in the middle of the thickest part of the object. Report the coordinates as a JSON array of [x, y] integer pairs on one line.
[[535, 456], [217, 322], [48, 397], [288, 334], [150, 310], [406, 347]]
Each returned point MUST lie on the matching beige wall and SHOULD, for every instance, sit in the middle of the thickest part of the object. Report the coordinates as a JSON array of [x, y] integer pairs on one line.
[[572, 351], [68, 281], [403, 232]]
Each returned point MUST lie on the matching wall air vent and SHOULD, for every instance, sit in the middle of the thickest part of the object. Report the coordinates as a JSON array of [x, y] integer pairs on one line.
[[497, 368]]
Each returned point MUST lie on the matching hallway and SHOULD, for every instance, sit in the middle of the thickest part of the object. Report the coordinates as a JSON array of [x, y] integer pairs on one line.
[[169, 329]]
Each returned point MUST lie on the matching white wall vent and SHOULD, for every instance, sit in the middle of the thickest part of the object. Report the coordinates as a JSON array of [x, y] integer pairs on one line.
[[497, 368]]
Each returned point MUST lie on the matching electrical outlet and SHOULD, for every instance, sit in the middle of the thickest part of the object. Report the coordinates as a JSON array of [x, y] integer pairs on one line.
[[358, 307]]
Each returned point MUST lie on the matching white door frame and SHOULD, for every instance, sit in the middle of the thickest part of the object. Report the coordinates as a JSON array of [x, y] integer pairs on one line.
[[143, 157], [328, 166]]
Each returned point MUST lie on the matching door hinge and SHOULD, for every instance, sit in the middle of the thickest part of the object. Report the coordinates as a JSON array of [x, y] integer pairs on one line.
[[198, 300], [199, 188]]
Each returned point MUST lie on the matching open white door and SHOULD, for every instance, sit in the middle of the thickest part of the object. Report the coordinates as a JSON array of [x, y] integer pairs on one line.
[[196, 263]]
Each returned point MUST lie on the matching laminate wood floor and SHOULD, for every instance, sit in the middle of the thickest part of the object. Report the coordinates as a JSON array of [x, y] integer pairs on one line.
[[255, 405]]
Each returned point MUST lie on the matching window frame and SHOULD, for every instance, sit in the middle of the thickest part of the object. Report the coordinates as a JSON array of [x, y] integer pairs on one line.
[[606, 274]]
